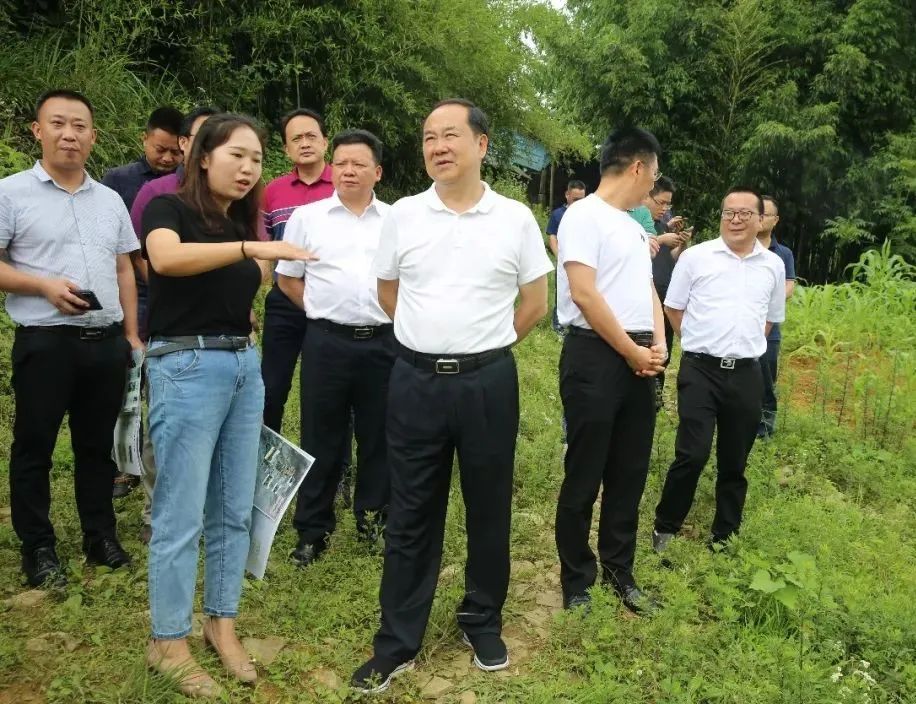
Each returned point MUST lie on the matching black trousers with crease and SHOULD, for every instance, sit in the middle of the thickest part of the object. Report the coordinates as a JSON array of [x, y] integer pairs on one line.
[[430, 418], [709, 397], [56, 374], [339, 374], [610, 415]]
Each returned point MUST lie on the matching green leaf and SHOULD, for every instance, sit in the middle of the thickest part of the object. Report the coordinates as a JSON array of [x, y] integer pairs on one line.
[[787, 596], [763, 582], [802, 560]]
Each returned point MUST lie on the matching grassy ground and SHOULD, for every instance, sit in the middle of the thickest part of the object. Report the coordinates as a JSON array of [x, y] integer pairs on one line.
[[814, 602]]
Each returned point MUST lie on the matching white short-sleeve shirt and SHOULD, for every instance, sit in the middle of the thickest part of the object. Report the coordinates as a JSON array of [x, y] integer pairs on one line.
[[340, 286], [458, 274], [608, 240], [727, 300], [51, 233]]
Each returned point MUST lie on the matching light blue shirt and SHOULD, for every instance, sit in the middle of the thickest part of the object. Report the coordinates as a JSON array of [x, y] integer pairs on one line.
[[52, 233]]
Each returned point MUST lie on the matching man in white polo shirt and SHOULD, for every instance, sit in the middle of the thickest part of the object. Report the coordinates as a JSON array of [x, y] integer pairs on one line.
[[724, 297], [451, 262], [348, 349], [614, 346]]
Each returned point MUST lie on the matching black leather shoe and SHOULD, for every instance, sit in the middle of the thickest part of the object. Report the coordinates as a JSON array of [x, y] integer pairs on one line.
[[374, 677], [636, 600], [717, 543], [123, 485], [578, 601], [306, 553], [490, 652], [107, 552], [42, 568]]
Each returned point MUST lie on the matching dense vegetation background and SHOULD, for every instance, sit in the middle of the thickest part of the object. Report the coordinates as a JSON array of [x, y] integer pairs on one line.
[[813, 100]]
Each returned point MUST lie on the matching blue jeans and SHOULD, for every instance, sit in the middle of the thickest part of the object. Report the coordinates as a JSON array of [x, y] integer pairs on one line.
[[205, 410], [769, 366]]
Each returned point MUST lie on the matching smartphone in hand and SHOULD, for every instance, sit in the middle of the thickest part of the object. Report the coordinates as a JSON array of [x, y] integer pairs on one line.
[[90, 298]]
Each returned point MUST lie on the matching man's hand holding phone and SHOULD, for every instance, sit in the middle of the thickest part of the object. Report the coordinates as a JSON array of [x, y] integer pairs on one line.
[[676, 224], [63, 295]]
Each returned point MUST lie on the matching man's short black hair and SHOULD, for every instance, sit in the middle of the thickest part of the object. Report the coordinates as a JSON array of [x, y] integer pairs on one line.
[[187, 124], [663, 185], [773, 200], [477, 118], [575, 185], [167, 119], [63, 93], [359, 137], [301, 112], [745, 189], [626, 145]]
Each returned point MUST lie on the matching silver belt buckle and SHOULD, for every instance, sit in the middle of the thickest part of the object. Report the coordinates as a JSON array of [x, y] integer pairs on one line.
[[447, 366], [363, 333], [92, 334], [727, 363]]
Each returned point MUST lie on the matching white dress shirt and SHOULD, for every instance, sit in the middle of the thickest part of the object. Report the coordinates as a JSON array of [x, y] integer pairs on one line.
[[340, 286], [727, 300], [459, 274], [608, 240]]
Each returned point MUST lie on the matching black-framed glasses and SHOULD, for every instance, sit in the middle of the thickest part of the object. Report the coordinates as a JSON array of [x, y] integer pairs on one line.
[[743, 215]]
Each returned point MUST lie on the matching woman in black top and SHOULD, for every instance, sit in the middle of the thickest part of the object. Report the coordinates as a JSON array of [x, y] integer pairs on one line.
[[206, 393]]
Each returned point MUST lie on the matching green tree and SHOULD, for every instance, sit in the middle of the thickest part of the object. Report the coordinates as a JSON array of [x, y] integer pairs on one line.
[[812, 101]]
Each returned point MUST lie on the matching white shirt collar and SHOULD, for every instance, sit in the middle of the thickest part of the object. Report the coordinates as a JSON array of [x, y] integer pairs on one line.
[[45, 177], [484, 205], [334, 201], [719, 245]]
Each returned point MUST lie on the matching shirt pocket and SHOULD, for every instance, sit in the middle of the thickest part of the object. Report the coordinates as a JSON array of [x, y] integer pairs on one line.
[[103, 234]]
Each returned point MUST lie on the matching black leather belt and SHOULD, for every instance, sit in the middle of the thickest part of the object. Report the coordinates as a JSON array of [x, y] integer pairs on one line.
[[721, 362], [83, 333], [353, 332], [198, 342], [643, 339], [452, 363]]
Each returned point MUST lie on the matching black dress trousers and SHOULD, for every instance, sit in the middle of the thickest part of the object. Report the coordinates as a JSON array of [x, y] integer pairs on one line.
[[55, 373], [430, 417], [610, 415], [282, 338], [340, 372], [710, 397]]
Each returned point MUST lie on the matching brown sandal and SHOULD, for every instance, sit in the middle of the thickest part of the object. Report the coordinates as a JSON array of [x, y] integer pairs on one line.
[[243, 670], [192, 679]]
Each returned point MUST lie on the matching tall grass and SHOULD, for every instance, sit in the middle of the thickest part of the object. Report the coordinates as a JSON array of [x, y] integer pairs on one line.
[[121, 94], [854, 344]]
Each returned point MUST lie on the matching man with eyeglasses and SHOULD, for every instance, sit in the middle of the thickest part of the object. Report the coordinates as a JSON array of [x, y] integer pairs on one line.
[[724, 297], [769, 362], [285, 321], [614, 346], [672, 239]]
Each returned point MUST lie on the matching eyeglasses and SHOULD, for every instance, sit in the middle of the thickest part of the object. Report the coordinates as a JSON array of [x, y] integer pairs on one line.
[[743, 215], [664, 203], [657, 175]]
